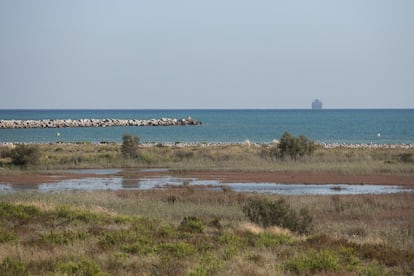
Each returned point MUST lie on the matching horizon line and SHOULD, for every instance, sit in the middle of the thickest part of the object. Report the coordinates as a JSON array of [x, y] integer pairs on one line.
[[247, 108]]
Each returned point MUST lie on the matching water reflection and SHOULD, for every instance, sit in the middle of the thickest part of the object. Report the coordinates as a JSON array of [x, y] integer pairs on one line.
[[130, 183], [86, 184], [327, 189], [96, 171]]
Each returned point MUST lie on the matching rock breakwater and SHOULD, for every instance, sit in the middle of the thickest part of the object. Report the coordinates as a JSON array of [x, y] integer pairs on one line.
[[69, 123]]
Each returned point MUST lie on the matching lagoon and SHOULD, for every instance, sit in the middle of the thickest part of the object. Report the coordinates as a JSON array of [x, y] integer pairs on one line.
[[117, 183]]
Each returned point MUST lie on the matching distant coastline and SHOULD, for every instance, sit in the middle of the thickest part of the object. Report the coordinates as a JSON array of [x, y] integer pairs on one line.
[[218, 144]]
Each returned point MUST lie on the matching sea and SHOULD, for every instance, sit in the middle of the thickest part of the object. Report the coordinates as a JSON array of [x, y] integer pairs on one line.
[[331, 126]]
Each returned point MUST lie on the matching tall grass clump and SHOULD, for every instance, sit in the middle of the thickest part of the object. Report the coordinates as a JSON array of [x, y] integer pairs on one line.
[[267, 213]]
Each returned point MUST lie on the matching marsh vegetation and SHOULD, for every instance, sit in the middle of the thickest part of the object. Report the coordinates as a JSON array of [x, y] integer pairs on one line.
[[193, 231], [263, 157]]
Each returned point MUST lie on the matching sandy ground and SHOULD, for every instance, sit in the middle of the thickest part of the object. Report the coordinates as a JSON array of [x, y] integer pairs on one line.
[[225, 176]]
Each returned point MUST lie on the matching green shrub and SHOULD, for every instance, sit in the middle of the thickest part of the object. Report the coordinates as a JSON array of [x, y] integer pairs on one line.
[[6, 236], [12, 267], [4, 152], [84, 267], [16, 211], [262, 240], [256, 258], [271, 152], [313, 261], [209, 265], [183, 154], [129, 147], [406, 157], [77, 215], [294, 147], [177, 249], [277, 213], [232, 244], [62, 238], [117, 237], [191, 224], [143, 246], [25, 155]]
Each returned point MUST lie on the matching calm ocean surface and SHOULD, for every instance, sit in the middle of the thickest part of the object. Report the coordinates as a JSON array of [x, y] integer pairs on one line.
[[261, 126]]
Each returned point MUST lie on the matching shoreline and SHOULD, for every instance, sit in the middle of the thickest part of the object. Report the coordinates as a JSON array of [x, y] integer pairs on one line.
[[247, 143]]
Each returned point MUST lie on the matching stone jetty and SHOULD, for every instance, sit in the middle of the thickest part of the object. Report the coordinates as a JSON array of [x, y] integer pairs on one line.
[[69, 123]]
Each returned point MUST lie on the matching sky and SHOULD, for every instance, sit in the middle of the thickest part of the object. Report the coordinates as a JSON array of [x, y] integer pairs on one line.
[[231, 54]]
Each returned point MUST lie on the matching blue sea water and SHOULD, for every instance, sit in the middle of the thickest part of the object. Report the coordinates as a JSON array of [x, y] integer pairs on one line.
[[396, 126]]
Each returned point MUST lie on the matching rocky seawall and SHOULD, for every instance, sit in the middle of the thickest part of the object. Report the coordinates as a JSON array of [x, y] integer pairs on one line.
[[69, 123]]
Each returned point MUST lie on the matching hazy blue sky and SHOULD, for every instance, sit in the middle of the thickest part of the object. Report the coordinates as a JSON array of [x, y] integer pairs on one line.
[[206, 54]]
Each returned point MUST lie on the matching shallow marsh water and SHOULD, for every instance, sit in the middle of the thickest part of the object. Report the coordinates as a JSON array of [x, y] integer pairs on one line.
[[112, 179]]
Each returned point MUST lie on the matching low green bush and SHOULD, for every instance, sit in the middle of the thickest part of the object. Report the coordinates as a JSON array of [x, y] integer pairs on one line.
[[7, 236], [84, 267], [25, 155], [263, 240], [209, 265], [62, 237], [191, 224], [232, 244], [313, 261], [65, 212], [407, 157], [295, 147], [143, 246], [278, 213], [17, 211], [177, 249], [117, 237], [4, 152], [11, 267]]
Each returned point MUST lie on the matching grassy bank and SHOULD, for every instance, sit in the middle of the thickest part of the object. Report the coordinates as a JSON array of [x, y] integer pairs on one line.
[[221, 157], [191, 231]]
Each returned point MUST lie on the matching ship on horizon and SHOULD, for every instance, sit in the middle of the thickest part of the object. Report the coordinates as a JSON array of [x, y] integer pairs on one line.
[[317, 104]]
